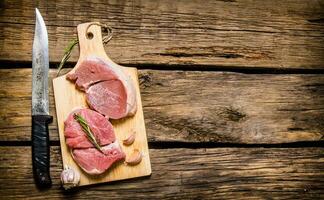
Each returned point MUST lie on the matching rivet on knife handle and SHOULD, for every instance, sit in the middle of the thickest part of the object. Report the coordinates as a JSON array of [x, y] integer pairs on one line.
[[40, 150]]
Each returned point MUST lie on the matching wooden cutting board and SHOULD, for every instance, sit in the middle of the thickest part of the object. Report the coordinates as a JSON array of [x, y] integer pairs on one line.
[[67, 98]]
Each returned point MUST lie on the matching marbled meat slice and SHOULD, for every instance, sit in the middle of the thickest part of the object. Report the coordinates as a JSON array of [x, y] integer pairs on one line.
[[100, 126], [93, 74], [94, 162], [108, 97], [90, 72]]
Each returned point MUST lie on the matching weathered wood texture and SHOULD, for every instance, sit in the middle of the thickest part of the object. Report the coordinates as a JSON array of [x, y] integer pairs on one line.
[[197, 106], [234, 173], [264, 34]]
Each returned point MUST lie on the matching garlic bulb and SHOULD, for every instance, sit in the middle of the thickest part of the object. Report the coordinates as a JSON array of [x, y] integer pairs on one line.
[[70, 177]]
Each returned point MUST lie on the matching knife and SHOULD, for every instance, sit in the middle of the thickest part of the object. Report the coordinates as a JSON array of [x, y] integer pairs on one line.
[[40, 105]]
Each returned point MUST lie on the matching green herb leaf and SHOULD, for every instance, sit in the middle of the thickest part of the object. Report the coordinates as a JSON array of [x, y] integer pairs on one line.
[[86, 129], [67, 54]]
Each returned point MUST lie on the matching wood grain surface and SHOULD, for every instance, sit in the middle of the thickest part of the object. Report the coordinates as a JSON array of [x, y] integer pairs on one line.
[[213, 34], [192, 106], [274, 94], [216, 173]]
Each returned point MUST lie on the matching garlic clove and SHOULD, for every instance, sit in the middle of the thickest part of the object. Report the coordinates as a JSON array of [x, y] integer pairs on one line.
[[135, 158], [70, 177], [129, 140]]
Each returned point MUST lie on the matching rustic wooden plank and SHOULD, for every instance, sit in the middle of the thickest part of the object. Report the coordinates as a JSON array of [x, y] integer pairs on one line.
[[220, 173], [191, 106], [226, 34]]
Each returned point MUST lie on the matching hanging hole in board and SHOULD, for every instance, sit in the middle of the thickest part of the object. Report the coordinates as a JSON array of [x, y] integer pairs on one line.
[[89, 35]]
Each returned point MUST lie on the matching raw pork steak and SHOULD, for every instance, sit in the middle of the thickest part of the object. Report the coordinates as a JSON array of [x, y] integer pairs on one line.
[[94, 162], [110, 93], [99, 125], [83, 152], [109, 90]]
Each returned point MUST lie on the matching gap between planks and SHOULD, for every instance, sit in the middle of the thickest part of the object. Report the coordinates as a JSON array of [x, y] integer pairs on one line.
[[10, 64], [192, 145]]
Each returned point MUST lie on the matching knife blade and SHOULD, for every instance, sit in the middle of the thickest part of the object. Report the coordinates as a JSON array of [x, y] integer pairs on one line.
[[40, 105]]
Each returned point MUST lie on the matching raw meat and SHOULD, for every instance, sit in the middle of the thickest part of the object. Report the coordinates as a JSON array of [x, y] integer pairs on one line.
[[94, 162], [83, 152], [109, 90], [90, 72], [110, 93], [100, 126]]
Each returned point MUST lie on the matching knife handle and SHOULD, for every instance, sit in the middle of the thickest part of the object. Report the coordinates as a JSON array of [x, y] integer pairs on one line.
[[41, 150]]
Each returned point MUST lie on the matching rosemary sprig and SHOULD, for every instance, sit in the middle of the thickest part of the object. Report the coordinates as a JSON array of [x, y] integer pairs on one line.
[[67, 54], [86, 128]]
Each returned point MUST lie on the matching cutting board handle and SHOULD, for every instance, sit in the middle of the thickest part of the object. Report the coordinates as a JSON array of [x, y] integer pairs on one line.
[[90, 42]]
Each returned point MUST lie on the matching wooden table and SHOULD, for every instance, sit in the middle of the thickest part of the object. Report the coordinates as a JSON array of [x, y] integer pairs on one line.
[[233, 95]]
